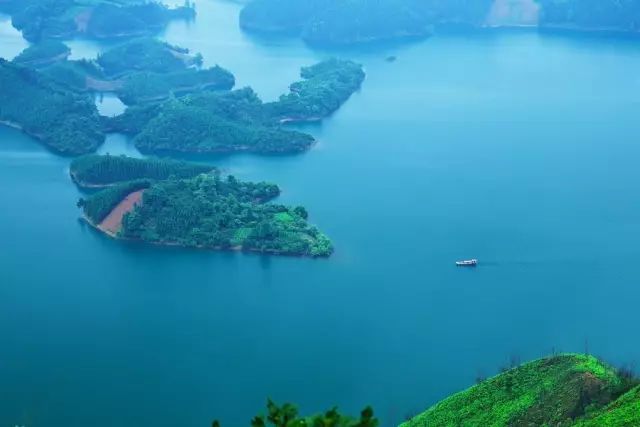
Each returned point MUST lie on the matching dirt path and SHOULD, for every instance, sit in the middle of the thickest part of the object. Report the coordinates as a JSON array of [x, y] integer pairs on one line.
[[113, 222]]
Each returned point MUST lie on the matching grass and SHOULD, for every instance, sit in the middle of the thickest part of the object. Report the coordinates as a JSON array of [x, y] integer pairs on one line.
[[552, 391], [283, 217]]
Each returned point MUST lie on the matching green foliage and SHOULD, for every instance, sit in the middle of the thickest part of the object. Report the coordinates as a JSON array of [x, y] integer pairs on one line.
[[42, 19], [209, 122], [337, 22], [65, 121], [287, 416], [108, 20], [326, 86], [554, 391], [143, 54], [238, 120], [624, 411], [74, 74], [43, 52], [95, 170], [592, 14], [149, 86], [97, 206], [207, 211]]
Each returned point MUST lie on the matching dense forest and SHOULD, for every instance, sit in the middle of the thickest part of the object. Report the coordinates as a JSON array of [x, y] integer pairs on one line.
[[145, 54], [564, 390], [181, 205], [592, 14], [326, 86], [211, 212], [43, 53], [338, 22], [215, 122], [139, 70], [104, 170], [209, 122], [97, 206], [65, 121], [41, 19], [287, 415], [150, 86]]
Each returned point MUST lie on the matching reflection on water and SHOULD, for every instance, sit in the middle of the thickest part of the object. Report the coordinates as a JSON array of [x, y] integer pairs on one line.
[[109, 104], [117, 144], [11, 43]]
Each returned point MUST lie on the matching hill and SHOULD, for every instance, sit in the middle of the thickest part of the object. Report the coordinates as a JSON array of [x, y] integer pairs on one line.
[[565, 390]]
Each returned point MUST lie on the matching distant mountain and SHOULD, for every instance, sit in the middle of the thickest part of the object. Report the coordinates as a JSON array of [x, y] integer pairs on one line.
[[345, 22]]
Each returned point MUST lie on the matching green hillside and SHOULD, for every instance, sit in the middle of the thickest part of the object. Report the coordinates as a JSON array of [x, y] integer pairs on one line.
[[566, 390]]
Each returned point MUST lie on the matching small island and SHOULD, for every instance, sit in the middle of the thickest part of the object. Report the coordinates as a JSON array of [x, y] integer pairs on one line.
[[207, 211], [569, 390], [102, 19], [65, 121]]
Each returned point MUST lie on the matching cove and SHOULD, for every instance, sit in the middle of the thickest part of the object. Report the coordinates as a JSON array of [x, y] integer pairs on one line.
[[515, 148]]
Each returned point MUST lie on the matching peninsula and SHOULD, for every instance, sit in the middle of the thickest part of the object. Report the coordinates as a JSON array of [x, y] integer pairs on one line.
[[222, 122]]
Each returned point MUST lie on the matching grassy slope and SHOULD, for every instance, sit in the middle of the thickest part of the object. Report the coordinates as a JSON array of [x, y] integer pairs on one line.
[[624, 411], [551, 391]]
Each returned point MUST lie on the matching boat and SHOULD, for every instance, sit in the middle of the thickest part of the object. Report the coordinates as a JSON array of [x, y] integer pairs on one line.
[[467, 263]]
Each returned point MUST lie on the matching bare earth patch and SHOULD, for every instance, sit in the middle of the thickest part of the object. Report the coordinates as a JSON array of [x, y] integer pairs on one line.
[[113, 222], [513, 13]]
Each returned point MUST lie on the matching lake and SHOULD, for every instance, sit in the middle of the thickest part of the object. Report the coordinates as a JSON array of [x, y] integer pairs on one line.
[[516, 148]]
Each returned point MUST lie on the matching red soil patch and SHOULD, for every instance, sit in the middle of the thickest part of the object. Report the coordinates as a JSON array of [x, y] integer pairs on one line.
[[113, 222], [514, 13]]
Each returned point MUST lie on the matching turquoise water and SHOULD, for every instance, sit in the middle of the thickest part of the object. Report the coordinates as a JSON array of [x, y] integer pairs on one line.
[[518, 149]]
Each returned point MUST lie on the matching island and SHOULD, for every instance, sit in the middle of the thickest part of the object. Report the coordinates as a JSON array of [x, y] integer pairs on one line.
[[65, 121], [45, 19], [207, 211], [565, 390], [224, 122]]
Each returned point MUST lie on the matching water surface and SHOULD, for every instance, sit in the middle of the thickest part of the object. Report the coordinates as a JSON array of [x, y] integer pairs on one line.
[[517, 149]]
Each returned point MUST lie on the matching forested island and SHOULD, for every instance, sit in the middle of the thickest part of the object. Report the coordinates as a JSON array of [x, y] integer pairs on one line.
[[150, 201], [65, 121], [336, 22], [570, 390], [138, 70], [287, 415], [43, 19]]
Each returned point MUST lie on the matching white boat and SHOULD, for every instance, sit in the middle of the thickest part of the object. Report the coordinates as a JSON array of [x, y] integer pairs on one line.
[[467, 263]]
